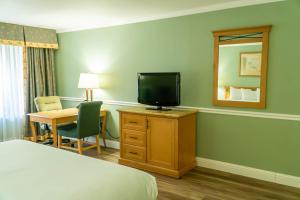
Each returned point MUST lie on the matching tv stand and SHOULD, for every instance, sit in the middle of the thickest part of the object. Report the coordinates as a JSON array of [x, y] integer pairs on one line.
[[158, 141], [158, 108]]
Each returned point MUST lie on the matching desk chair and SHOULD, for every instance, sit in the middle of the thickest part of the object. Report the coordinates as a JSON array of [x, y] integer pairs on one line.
[[87, 125], [48, 103]]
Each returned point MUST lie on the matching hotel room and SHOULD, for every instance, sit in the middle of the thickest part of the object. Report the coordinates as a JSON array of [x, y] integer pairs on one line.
[[146, 100]]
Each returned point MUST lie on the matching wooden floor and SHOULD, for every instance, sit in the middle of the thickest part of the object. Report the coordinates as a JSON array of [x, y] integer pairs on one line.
[[207, 184]]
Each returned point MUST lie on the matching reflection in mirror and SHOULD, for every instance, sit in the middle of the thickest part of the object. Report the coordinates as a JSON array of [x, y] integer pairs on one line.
[[239, 72]]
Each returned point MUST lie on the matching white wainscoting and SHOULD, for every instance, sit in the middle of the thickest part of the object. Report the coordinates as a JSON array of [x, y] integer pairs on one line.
[[267, 115]]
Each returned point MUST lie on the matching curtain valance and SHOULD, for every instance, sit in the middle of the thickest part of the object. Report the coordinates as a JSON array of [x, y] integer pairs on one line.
[[40, 37], [28, 36], [11, 34]]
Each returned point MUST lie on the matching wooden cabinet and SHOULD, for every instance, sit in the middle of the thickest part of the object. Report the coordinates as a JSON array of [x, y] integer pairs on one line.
[[158, 141]]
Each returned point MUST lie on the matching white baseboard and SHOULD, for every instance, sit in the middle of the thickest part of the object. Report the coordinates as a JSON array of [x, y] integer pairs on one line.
[[260, 174], [109, 143]]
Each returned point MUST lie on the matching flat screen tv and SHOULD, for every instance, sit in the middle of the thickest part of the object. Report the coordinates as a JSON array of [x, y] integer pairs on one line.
[[159, 89]]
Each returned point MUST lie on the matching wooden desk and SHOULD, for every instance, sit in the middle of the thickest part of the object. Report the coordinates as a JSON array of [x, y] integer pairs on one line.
[[56, 117]]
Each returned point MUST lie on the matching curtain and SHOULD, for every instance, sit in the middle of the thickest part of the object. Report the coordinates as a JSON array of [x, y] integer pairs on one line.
[[40, 76], [11, 92]]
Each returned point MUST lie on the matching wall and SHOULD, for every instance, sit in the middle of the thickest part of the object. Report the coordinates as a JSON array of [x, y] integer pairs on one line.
[[185, 44], [229, 66]]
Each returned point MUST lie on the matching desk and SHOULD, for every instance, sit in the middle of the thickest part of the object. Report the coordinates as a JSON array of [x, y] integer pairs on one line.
[[56, 117]]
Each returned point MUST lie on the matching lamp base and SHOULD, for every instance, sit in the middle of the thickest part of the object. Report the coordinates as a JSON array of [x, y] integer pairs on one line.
[[88, 94]]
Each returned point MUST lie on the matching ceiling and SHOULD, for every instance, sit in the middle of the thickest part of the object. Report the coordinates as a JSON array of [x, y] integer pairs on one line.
[[71, 15]]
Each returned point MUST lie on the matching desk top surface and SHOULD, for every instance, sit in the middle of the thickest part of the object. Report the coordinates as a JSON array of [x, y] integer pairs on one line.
[[69, 112]]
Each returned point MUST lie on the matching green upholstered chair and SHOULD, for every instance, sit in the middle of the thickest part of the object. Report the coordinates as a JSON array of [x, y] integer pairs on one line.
[[88, 124]]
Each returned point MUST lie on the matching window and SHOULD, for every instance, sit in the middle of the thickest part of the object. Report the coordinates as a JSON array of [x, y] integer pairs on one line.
[[11, 92]]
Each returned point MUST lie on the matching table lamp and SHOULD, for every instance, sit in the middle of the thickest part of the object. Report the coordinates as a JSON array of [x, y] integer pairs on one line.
[[89, 81]]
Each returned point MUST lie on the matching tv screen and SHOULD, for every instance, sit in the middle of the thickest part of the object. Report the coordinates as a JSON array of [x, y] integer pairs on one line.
[[159, 89]]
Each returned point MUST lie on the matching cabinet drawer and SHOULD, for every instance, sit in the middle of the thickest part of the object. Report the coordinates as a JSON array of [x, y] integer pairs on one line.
[[134, 122], [134, 153], [133, 137]]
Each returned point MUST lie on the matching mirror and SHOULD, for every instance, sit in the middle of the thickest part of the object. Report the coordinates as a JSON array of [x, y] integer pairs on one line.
[[240, 66]]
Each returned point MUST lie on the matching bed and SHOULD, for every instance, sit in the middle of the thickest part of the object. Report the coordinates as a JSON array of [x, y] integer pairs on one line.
[[30, 171]]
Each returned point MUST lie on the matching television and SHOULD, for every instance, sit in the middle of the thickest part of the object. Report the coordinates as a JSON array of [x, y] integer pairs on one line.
[[159, 89]]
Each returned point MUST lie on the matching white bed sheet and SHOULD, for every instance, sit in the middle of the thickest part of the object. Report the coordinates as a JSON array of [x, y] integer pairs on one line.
[[30, 171]]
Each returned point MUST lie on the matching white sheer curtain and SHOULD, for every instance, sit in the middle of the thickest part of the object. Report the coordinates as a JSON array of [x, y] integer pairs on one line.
[[11, 92]]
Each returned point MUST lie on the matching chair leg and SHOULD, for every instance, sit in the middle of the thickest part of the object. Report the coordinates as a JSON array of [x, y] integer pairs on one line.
[[79, 146], [97, 144], [59, 141]]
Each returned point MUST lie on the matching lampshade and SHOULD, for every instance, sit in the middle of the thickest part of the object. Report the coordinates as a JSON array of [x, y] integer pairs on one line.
[[89, 81]]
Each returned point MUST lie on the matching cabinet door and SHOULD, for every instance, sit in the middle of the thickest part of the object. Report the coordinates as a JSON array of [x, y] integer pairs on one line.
[[161, 142]]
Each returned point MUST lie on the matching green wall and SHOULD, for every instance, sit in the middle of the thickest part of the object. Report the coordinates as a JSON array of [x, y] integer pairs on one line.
[[185, 44], [229, 66]]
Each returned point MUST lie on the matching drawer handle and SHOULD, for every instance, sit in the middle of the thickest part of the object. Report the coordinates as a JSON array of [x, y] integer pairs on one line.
[[135, 138], [132, 122], [134, 153]]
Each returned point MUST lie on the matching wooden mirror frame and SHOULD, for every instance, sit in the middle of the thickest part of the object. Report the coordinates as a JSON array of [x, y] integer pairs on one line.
[[264, 30]]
